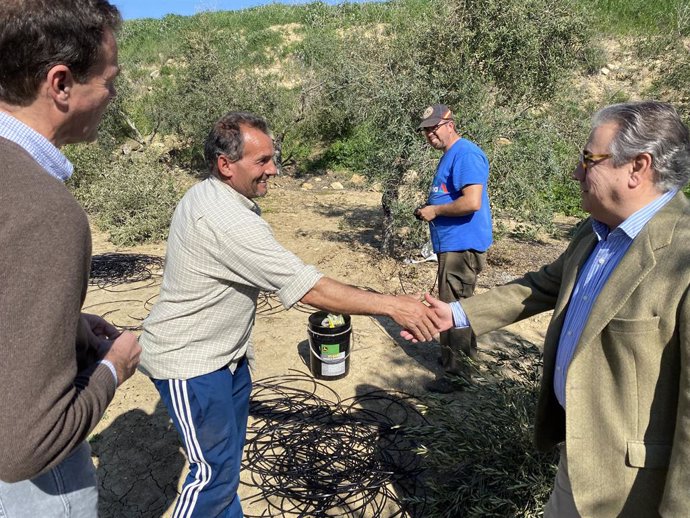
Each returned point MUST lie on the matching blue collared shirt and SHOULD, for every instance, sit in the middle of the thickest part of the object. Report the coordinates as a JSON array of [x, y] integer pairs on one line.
[[612, 246], [40, 148]]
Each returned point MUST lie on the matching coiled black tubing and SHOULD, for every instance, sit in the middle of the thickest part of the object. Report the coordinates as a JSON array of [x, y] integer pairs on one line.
[[311, 454]]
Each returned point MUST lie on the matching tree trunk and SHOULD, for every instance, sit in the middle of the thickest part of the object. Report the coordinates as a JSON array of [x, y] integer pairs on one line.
[[278, 152], [389, 198]]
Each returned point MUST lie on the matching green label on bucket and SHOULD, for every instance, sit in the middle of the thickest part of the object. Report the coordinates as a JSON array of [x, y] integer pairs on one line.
[[330, 349]]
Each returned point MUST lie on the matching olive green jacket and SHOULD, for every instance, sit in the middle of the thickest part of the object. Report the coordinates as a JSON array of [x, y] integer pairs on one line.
[[628, 386]]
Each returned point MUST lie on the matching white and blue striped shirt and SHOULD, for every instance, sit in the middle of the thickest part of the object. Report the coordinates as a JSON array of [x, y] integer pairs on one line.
[[40, 148], [612, 246]]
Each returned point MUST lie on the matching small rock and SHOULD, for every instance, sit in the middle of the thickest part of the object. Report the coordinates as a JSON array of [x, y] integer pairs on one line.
[[337, 186], [604, 71], [502, 141], [358, 179], [307, 186], [317, 180], [129, 146], [376, 187], [155, 74]]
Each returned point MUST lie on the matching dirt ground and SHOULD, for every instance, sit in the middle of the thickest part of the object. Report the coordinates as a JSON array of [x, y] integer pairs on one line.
[[136, 450]]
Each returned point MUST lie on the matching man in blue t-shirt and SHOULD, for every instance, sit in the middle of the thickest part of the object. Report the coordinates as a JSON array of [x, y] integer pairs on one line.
[[459, 219]]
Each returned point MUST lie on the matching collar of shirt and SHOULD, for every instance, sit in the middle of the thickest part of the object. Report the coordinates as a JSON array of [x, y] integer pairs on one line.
[[636, 221], [250, 204], [40, 148]]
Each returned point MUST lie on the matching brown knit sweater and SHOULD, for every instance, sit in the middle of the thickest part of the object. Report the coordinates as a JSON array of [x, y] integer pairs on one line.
[[53, 393]]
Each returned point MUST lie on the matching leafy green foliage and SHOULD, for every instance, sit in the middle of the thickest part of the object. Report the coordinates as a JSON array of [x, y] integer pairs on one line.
[[352, 152], [133, 198], [342, 88], [532, 163], [481, 454]]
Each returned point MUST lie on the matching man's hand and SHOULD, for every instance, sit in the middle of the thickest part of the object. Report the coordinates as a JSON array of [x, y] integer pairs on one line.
[[100, 329], [124, 355], [420, 322], [426, 213], [443, 321], [442, 310]]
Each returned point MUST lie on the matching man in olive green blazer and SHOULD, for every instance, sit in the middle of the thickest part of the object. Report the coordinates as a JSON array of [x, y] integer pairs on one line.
[[616, 399]]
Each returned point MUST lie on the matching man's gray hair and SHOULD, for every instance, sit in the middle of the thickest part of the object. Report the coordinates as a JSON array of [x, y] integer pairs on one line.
[[650, 127], [225, 138]]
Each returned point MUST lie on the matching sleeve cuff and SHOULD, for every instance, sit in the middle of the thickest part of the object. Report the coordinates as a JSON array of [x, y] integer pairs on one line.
[[300, 285], [459, 316], [110, 366]]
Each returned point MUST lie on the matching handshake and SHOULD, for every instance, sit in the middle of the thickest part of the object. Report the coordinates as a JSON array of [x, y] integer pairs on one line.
[[421, 321]]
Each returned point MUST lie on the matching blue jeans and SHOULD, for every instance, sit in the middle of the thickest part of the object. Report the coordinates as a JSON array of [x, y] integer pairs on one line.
[[210, 413], [69, 490]]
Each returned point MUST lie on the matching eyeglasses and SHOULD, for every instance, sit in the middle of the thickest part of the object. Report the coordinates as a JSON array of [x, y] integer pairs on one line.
[[435, 128], [588, 159]]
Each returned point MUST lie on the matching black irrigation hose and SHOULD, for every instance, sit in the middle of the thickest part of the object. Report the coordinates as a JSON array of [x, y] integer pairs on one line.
[[113, 269], [116, 269], [269, 304], [311, 455]]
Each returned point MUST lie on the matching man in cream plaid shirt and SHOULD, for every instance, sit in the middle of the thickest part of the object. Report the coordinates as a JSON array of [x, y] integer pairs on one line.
[[197, 340]]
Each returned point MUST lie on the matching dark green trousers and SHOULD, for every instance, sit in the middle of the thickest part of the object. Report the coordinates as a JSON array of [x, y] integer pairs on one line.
[[457, 278]]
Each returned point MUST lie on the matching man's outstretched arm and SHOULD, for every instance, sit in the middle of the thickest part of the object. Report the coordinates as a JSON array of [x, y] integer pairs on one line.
[[420, 322]]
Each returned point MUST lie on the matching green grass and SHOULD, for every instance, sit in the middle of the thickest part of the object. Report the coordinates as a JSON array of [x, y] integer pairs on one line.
[[635, 17]]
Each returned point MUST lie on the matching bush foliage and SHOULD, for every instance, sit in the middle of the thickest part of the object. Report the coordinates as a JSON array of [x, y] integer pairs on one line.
[[133, 198], [342, 87], [351, 80]]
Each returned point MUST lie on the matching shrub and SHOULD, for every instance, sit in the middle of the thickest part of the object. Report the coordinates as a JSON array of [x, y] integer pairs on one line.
[[131, 198], [353, 151], [531, 169]]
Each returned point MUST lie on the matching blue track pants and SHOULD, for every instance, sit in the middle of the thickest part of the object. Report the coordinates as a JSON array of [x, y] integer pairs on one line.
[[210, 413]]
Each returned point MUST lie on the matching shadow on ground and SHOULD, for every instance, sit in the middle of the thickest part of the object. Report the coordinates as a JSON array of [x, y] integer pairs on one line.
[[424, 353], [427, 354], [139, 464], [356, 225]]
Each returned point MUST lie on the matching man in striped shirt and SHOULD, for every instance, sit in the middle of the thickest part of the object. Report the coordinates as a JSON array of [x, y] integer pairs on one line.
[[615, 394], [197, 340]]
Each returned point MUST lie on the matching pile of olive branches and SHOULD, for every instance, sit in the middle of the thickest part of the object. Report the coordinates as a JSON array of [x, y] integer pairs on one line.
[[479, 451]]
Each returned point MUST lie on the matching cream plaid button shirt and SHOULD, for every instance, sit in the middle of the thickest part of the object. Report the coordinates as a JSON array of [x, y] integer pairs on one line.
[[220, 255]]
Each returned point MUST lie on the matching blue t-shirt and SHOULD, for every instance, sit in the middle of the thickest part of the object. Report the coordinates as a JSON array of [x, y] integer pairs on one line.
[[462, 165]]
